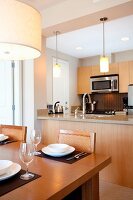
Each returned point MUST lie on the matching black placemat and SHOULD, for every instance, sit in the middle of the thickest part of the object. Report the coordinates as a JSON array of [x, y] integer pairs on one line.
[[14, 182], [63, 158], [7, 141]]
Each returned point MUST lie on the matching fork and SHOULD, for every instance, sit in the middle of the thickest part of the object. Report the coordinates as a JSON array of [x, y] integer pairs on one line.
[[77, 156]]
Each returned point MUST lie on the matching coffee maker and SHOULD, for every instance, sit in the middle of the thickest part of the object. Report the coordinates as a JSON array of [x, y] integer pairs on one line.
[[125, 104]]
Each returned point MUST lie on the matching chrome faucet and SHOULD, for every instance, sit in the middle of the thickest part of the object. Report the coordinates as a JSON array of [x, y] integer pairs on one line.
[[84, 103], [89, 98], [76, 111]]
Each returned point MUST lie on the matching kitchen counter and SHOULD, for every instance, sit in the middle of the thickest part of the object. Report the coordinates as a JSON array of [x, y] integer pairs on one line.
[[94, 118]]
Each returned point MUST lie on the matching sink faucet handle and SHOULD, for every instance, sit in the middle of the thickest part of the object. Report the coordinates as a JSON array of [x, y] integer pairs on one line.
[[76, 110]]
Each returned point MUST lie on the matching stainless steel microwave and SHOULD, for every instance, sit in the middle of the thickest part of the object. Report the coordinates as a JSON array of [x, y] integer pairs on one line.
[[104, 83]]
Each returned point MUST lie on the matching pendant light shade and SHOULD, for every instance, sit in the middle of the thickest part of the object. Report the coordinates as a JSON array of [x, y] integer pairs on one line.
[[104, 61], [56, 67], [20, 33], [104, 64]]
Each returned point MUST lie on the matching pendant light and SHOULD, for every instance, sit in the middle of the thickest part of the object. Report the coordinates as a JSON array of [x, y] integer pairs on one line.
[[104, 61], [56, 67], [20, 33]]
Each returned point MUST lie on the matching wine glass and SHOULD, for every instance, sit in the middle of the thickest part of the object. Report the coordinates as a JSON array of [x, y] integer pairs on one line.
[[36, 139], [26, 154]]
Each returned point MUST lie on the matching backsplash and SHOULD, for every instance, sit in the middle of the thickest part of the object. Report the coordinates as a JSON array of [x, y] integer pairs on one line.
[[111, 101]]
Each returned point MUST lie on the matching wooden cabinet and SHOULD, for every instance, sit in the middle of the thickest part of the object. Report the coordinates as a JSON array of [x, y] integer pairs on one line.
[[123, 77], [113, 69], [130, 72], [124, 69], [83, 82], [96, 71]]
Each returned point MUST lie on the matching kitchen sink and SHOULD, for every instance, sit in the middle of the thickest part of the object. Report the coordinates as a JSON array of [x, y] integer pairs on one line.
[[90, 116], [97, 116]]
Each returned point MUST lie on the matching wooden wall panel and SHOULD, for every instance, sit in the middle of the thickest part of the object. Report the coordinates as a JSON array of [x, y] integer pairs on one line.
[[112, 101], [111, 139]]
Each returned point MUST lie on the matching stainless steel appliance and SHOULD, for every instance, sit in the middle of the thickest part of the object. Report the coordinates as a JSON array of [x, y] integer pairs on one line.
[[88, 105], [130, 99], [58, 108], [50, 108], [104, 83], [102, 112], [125, 104]]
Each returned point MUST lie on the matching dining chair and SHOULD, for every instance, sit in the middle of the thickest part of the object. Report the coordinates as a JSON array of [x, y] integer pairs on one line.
[[14, 132], [81, 140]]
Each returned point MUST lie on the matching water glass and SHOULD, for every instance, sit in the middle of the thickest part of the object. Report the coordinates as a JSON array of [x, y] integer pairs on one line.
[[26, 154], [36, 139]]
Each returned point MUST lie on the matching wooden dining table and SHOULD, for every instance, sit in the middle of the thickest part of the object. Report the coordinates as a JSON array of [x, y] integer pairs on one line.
[[58, 180]]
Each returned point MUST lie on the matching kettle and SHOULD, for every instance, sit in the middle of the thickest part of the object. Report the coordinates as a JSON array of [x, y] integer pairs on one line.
[[58, 108]]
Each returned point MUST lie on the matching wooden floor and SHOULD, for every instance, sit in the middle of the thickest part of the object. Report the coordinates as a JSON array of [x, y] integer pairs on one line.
[[109, 191]]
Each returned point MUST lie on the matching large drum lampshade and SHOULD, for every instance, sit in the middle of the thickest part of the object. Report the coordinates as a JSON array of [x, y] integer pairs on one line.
[[20, 31]]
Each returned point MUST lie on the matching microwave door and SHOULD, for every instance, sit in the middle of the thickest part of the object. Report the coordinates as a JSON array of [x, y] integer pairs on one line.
[[114, 85], [101, 86]]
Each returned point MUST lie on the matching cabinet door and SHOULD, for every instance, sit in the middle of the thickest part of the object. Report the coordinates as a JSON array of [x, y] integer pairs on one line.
[[113, 68], [96, 71], [83, 83], [123, 77], [130, 72]]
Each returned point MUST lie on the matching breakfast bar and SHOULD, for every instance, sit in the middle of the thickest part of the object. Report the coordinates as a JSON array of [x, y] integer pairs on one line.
[[114, 137]]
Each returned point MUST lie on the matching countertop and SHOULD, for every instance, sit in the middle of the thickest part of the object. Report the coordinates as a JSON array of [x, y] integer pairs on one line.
[[94, 118]]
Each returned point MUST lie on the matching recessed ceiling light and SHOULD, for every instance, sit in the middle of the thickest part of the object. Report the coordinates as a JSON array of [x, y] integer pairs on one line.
[[125, 39], [79, 48]]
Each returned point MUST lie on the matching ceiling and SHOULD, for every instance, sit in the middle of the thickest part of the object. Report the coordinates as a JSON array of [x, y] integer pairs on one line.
[[89, 39], [41, 4]]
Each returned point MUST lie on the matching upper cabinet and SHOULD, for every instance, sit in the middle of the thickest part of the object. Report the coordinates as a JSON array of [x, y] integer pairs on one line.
[[124, 69], [96, 71], [123, 77], [113, 69], [83, 85]]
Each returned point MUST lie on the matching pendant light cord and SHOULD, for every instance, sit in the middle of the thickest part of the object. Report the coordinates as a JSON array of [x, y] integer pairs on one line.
[[103, 19], [103, 41], [57, 32], [56, 49]]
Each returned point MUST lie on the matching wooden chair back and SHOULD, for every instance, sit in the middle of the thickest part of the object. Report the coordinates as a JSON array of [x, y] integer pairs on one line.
[[14, 132], [81, 140]]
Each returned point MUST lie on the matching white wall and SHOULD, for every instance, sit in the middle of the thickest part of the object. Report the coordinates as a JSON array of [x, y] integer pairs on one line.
[[73, 64], [28, 95], [40, 95], [89, 61], [123, 56], [34, 89], [18, 92], [113, 58]]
